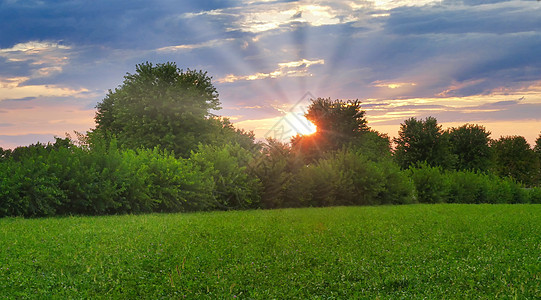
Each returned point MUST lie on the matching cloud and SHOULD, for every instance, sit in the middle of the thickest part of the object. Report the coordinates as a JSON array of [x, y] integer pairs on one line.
[[470, 59], [497, 18], [276, 15], [392, 85], [43, 59], [505, 106], [288, 69], [208, 44], [14, 88]]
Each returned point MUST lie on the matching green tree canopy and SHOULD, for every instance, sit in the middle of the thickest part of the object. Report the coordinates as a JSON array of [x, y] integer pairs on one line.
[[537, 147], [4, 153], [162, 105], [513, 157], [423, 141], [470, 145], [338, 122]]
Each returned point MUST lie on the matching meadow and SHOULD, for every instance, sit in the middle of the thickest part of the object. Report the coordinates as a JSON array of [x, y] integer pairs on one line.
[[410, 251]]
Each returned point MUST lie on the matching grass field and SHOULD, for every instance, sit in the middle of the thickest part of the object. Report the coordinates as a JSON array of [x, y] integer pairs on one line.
[[434, 251]]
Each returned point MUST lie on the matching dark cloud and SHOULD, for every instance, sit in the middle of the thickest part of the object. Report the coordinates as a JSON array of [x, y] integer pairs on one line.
[[20, 99], [13, 68], [528, 111], [508, 17], [132, 24], [473, 2], [501, 103]]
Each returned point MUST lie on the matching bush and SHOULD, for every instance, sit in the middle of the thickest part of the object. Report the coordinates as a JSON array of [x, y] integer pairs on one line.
[[434, 186], [348, 178], [274, 167], [534, 195], [467, 187], [101, 179], [431, 185], [28, 188], [227, 166]]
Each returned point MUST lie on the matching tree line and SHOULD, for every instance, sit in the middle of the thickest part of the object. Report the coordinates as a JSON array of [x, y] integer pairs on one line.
[[157, 147]]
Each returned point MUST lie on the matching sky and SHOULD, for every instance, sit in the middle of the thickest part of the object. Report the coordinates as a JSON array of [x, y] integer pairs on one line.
[[470, 61]]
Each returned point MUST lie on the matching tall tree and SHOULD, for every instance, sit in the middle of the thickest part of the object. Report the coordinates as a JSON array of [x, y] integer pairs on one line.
[[537, 147], [513, 157], [423, 141], [338, 122], [4, 153], [161, 105], [470, 145]]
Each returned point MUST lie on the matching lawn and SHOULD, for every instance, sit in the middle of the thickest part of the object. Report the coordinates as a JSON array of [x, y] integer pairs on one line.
[[413, 251]]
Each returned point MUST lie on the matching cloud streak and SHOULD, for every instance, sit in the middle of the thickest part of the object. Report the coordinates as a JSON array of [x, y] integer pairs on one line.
[[288, 69]]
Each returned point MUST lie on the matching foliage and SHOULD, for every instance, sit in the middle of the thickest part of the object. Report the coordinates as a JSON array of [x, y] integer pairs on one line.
[[4, 154], [275, 167], [338, 122], [430, 183], [537, 147], [223, 132], [423, 141], [161, 106], [470, 145], [61, 178], [514, 158], [234, 187], [349, 178], [373, 145], [434, 185], [388, 252], [534, 195]]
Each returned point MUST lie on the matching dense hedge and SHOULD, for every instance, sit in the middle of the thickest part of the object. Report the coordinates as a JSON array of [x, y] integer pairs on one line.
[[433, 185], [46, 181], [62, 179]]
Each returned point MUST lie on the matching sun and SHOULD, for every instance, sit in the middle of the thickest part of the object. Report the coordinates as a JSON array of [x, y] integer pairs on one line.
[[300, 125]]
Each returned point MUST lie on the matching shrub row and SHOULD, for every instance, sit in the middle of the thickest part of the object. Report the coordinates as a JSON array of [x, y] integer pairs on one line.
[[48, 180], [62, 179], [434, 185], [341, 178]]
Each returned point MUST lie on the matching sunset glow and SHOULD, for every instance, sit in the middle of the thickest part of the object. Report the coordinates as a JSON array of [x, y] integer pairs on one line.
[[471, 62]]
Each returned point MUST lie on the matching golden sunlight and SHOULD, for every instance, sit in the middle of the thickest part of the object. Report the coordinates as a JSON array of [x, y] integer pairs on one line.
[[299, 124]]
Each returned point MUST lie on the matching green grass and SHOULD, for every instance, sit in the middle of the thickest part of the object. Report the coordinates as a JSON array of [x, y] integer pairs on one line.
[[434, 251]]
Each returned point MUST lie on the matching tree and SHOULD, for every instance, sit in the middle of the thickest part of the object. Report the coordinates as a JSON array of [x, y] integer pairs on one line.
[[423, 141], [537, 147], [513, 157], [470, 145], [223, 132], [373, 145], [4, 153], [338, 123], [161, 105]]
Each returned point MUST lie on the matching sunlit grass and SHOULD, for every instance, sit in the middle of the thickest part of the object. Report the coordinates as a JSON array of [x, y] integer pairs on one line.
[[416, 251]]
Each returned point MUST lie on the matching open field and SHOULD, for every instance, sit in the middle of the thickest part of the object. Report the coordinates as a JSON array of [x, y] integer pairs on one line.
[[435, 251]]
